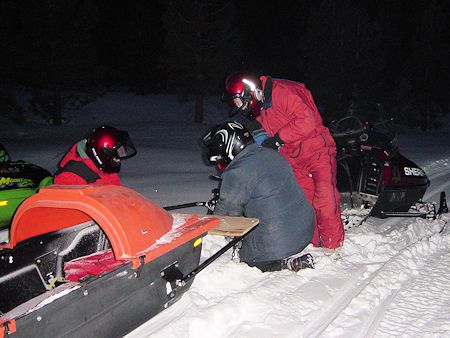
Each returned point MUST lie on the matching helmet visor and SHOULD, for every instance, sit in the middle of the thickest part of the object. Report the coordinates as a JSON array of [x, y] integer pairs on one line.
[[238, 104], [123, 149], [213, 149]]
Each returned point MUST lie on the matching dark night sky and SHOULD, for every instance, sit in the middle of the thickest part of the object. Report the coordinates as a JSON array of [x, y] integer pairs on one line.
[[383, 50]]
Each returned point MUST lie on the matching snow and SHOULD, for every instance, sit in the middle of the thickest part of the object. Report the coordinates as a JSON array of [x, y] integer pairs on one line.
[[391, 277]]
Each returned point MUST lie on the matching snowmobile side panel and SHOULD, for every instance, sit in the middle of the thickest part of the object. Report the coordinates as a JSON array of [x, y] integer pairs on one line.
[[112, 304], [18, 181], [9, 201]]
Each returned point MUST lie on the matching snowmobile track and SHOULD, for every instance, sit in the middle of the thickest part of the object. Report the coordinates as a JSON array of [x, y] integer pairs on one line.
[[338, 304], [380, 287]]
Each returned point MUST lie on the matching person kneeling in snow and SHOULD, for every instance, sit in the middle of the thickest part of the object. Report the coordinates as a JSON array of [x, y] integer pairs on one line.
[[258, 182], [96, 159]]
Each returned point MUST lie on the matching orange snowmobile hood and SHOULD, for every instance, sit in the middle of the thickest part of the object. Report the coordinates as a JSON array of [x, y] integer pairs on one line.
[[135, 226]]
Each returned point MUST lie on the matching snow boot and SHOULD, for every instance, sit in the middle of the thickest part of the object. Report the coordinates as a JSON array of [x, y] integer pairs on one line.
[[443, 208], [295, 264]]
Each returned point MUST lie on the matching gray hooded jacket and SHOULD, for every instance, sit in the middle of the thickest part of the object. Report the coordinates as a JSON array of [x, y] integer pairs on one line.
[[260, 183]]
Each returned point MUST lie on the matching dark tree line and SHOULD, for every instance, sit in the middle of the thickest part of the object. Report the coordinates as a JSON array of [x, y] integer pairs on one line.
[[393, 52]]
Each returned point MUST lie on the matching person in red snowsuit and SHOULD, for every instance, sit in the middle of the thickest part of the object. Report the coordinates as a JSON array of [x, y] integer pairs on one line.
[[293, 126], [96, 159]]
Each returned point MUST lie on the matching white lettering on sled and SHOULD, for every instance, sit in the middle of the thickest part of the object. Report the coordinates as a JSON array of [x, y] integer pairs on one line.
[[413, 171]]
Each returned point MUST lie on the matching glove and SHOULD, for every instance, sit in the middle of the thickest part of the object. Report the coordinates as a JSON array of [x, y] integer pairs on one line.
[[211, 205], [274, 142]]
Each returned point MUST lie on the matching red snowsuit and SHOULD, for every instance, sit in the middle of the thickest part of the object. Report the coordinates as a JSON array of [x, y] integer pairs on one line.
[[289, 111], [70, 178]]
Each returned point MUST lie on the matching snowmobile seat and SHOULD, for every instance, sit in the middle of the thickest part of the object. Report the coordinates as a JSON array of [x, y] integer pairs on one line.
[[91, 265]]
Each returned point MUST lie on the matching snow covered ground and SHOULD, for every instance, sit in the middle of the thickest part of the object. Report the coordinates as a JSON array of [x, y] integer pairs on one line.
[[391, 277]]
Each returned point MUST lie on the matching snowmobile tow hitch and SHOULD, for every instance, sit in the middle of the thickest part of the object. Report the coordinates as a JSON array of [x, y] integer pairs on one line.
[[172, 274], [175, 277], [208, 205]]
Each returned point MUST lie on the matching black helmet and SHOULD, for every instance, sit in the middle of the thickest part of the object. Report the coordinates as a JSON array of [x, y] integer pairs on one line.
[[225, 141], [4, 156], [106, 146]]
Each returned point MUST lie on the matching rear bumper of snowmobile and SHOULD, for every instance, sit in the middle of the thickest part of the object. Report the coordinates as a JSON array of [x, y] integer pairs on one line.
[[398, 199]]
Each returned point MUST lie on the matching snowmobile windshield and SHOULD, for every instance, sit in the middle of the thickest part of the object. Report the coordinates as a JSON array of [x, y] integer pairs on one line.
[[4, 156], [348, 126], [367, 112]]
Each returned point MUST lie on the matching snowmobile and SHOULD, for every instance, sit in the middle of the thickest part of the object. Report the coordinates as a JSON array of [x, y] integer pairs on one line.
[[98, 261], [18, 180], [371, 172]]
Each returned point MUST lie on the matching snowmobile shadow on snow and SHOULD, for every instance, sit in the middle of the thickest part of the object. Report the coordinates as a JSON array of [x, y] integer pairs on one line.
[[371, 172], [98, 261]]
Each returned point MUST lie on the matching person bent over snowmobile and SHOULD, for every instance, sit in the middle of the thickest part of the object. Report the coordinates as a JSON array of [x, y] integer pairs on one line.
[[18, 180], [258, 182], [286, 112], [96, 159]]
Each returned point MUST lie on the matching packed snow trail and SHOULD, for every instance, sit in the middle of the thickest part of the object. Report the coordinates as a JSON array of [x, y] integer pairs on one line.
[[360, 317], [423, 318], [416, 247]]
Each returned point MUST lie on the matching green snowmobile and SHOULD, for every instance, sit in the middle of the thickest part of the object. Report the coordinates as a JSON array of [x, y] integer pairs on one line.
[[18, 180]]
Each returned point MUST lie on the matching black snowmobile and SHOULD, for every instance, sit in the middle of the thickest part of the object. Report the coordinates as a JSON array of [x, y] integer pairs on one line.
[[371, 172]]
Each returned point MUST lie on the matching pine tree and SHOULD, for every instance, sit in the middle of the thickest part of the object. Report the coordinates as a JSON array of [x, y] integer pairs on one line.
[[201, 46], [50, 47], [342, 52], [423, 88]]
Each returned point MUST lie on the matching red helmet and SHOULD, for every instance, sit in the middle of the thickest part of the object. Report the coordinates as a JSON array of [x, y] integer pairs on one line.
[[107, 146], [243, 92]]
